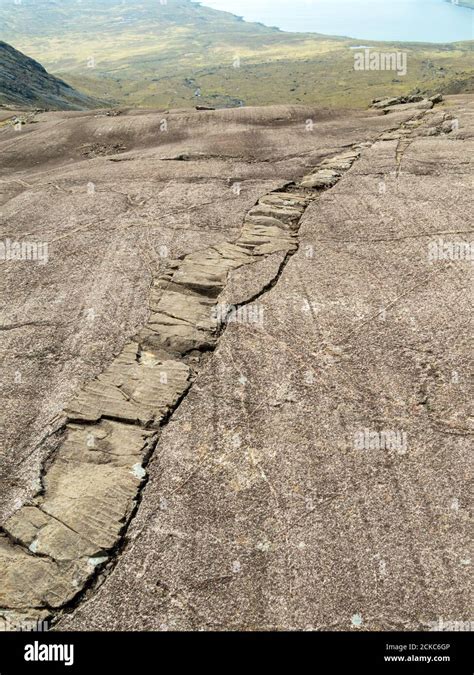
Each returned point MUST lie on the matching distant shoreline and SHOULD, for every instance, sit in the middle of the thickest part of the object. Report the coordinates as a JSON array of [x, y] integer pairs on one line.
[[463, 3]]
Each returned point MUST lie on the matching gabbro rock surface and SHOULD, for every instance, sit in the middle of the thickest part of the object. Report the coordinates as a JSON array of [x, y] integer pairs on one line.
[[114, 222], [90, 486], [255, 495]]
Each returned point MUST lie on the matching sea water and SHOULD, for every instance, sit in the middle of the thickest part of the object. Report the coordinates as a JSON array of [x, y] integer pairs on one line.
[[404, 20]]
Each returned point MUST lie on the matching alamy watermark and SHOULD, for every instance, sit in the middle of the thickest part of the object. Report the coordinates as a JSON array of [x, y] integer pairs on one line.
[[37, 651], [451, 625], [9, 625], [370, 59], [388, 439], [24, 251], [251, 314], [441, 250]]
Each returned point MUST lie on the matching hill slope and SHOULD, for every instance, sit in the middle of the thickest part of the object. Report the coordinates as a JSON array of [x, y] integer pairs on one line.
[[25, 83], [181, 53]]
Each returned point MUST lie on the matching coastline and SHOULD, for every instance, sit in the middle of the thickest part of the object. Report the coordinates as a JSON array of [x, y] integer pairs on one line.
[[463, 3]]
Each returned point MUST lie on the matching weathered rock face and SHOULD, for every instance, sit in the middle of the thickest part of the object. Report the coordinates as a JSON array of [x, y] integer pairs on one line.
[[114, 224], [231, 486], [89, 490], [401, 103], [413, 101]]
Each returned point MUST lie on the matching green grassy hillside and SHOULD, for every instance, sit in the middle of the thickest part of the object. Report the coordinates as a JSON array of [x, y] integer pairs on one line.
[[142, 52]]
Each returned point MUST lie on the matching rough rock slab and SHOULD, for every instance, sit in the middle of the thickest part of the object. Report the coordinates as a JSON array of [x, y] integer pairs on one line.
[[88, 496], [317, 476]]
